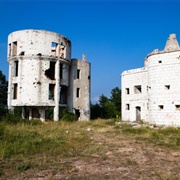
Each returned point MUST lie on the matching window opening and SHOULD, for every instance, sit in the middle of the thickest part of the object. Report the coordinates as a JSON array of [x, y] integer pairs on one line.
[[14, 48], [127, 107], [15, 91], [35, 113], [77, 92], [167, 87], [53, 48], [177, 107], [50, 73], [137, 89], [16, 68], [10, 49], [78, 73], [127, 90], [61, 71], [63, 95], [161, 107], [89, 77], [51, 91]]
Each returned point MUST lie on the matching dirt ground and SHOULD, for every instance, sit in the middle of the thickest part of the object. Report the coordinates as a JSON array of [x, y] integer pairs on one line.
[[115, 157]]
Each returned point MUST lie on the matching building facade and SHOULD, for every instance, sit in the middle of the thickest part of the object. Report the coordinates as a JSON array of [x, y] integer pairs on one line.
[[42, 75], [152, 93]]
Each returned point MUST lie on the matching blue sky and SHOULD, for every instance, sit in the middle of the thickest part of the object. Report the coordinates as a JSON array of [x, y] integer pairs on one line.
[[115, 35]]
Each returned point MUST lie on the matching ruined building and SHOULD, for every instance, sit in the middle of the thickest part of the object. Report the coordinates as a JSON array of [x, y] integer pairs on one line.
[[42, 75], [152, 93]]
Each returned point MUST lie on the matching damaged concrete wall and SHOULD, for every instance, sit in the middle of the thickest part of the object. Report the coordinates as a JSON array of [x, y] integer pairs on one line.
[[80, 88], [39, 72]]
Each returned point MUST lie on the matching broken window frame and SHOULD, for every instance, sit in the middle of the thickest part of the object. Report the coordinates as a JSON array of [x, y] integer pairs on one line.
[[50, 73], [54, 46], [62, 51]]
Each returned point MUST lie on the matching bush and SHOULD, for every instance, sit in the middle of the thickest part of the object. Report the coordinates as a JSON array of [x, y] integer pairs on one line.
[[68, 116]]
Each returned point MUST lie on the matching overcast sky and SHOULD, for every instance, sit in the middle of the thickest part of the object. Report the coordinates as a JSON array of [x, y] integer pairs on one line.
[[115, 35]]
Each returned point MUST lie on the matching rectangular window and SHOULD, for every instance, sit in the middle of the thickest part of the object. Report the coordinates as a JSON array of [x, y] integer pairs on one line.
[[53, 48], [177, 107], [15, 91], [10, 49], [137, 89], [127, 90], [161, 107], [14, 48], [16, 68], [127, 107], [78, 92], [78, 73], [61, 71], [167, 87], [51, 91]]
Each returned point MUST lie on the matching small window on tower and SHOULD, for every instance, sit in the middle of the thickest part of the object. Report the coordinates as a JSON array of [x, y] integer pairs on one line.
[[78, 73], [167, 87], [78, 92], [161, 107], [127, 90], [53, 48], [16, 68], [10, 49], [14, 48], [127, 107], [15, 91], [137, 89]]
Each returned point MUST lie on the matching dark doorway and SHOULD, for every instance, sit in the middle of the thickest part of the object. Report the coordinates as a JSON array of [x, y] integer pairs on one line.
[[77, 112], [138, 114]]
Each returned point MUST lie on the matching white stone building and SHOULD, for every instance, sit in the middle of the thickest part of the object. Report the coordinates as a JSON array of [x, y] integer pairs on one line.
[[152, 93], [43, 75]]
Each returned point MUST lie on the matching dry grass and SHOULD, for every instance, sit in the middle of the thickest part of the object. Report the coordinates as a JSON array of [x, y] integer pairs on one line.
[[88, 150]]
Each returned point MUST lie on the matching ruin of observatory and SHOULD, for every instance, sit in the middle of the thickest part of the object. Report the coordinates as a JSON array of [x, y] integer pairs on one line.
[[152, 93], [42, 75]]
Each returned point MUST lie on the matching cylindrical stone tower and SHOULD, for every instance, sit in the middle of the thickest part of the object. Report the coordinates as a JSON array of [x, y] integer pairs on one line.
[[38, 71], [164, 84]]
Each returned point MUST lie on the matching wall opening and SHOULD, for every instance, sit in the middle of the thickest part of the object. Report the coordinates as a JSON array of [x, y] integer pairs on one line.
[[161, 107], [138, 113], [63, 95], [78, 92], [35, 113], [61, 70], [137, 89], [127, 90], [15, 92], [16, 63], [89, 77], [50, 73], [9, 49], [127, 107], [177, 107], [167, 87], [54, 48], [62, 51], [77, 113], [51, 91], [78, 73], [14, 48]]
